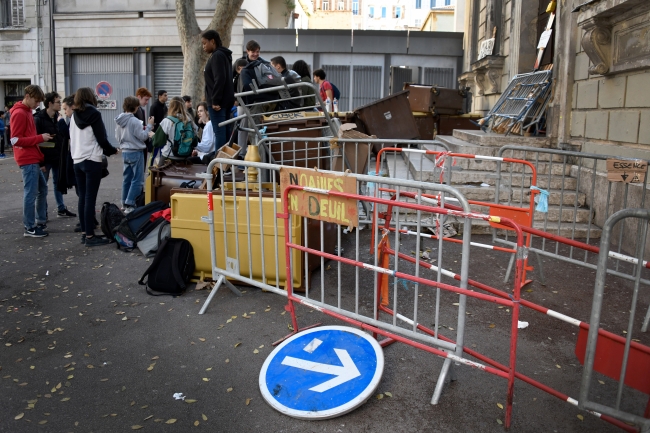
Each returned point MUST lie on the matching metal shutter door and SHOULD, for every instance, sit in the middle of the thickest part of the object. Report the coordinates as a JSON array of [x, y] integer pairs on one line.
[[367, 84], [89, 69], [168, 74], [339, 75], [441, 77]]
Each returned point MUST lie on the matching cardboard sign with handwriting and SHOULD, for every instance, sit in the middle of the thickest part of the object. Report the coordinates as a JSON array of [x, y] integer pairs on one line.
[[626, 170], [338, 210]]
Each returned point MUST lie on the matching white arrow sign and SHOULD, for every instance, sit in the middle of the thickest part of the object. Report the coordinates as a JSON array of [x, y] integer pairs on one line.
[[343, 373]]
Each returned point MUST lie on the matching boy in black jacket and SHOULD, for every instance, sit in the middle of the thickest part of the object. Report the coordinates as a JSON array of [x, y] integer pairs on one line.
[[46, 121], [219, 88]]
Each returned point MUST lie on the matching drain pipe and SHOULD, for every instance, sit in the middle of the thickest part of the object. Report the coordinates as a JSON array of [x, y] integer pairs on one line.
[[52, 47]]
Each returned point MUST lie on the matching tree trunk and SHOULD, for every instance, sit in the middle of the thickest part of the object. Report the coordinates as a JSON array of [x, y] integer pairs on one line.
[[189, 32]]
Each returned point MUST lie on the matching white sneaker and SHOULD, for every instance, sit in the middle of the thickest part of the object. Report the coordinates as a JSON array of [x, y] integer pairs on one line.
[[128, 209]]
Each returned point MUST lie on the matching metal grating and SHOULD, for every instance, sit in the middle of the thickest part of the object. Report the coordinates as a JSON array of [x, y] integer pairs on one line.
[[367, 84], [441, 77], [96, 63], [168, 74], [399, 76]]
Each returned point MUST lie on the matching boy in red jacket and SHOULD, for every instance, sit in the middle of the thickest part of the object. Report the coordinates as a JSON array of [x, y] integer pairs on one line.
[[29, 158]]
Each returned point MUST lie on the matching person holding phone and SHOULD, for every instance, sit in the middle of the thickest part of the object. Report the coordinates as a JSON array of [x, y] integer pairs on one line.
[[29, 158]]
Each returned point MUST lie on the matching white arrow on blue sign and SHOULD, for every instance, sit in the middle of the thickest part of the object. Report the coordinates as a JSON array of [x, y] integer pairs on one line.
[[322, 372]]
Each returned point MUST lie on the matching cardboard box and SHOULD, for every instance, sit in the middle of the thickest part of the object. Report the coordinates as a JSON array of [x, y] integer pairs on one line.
[[356, 154]]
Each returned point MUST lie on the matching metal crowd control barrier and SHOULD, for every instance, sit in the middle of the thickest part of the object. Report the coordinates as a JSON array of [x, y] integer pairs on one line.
[[450, 351], [580, 197], [523, 101], [521, 213], [625, 362]]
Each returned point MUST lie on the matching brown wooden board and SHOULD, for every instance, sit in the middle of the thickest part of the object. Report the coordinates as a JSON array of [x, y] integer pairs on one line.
[[323, 207]]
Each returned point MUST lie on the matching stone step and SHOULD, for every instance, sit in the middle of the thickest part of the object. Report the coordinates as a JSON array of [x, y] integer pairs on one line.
[[423, 169], [396, 167], [457, 145], [497, 140]]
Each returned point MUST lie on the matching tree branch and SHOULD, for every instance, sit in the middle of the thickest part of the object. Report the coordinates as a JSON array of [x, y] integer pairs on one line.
[[224, 16], [188, 27]]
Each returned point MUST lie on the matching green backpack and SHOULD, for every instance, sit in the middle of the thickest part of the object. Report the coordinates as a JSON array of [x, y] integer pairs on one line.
[[184, 138]]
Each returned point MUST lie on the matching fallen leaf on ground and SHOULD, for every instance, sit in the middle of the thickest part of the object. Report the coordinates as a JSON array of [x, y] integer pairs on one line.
[[170, 421], [256, 351], [389, 394], [492, 325], [65, 399], [19, 416], [201, 339], [205, 379], [499, 405], [601, 382], [196, 423], [558, 365], [380, 396], [208, 369], [237, 344], [580, 417], [149, 417], [229, 389], [499, 421], [248, 401], [205, 418], [136, 427], [190, 401]]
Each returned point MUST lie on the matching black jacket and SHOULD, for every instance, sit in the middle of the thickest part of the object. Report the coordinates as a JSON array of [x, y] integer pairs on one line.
[[219, 89], [159, 112], [66, 166], [46, 125], [93, 118]]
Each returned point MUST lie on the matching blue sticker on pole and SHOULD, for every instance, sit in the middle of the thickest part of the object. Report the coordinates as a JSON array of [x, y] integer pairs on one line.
[[322, 373]]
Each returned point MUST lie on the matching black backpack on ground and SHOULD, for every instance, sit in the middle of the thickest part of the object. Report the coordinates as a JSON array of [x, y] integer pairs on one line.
[[110, 218], [127, 232], [171, 269]]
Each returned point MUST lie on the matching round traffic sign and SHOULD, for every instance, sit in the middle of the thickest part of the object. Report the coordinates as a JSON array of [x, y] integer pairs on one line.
[[322, 373], [104, 90]]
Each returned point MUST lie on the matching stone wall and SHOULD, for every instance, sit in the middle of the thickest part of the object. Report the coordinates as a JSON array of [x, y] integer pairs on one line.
[[610, 114]]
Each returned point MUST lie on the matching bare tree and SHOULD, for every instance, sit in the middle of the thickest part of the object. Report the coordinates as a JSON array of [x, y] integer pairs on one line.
[[190, 34]]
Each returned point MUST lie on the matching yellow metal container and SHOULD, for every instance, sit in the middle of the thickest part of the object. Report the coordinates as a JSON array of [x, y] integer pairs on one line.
[[187, 210]]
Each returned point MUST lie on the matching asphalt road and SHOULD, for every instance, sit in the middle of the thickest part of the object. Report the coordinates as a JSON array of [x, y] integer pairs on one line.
[[83, 348]]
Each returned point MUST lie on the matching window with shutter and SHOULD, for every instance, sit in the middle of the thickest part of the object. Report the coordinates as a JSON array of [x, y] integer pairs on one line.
[[12, 13], [394, 12], [17, 13]]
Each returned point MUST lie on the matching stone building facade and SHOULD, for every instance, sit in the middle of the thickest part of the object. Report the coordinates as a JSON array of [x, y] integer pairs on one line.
[[600, 54]]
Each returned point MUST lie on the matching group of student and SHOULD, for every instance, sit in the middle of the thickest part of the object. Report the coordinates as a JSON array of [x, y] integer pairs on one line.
[[74, 146]]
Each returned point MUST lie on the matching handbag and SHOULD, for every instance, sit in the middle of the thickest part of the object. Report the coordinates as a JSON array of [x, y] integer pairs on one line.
[[104, 166]]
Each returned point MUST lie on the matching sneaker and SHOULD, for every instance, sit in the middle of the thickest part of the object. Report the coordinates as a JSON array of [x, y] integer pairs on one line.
[[2, 156], [128, 209], [35, 232], [42, 226], [65, 213], [83, 238], [96, 241], [77, 228]]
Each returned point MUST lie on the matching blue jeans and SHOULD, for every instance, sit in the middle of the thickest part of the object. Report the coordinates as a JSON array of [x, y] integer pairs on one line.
[[55, 180], [220, 134], [34, 196], [133, 176], [88, 174]]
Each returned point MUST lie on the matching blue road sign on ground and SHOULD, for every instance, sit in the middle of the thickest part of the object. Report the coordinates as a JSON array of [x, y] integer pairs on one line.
[[322, 372]]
